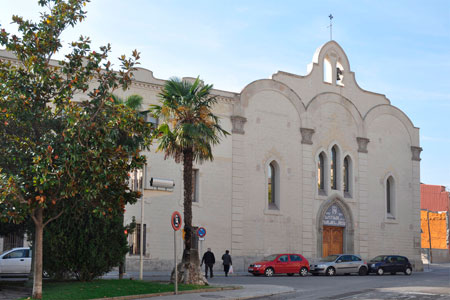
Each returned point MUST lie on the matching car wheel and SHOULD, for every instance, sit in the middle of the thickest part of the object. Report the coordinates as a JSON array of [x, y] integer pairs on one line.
[[268, 272], [331, 271], [380, 271], [290, 274], [303, 272], [408, 271], [362, 271]]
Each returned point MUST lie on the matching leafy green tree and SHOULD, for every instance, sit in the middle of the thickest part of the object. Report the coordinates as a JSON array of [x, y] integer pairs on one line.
[[60, 155], [188, 131]]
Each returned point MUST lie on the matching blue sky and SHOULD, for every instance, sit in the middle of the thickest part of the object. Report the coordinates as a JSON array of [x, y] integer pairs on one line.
[[397, 48]]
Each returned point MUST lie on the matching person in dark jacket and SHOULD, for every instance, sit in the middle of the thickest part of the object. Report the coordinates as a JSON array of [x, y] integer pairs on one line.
[[209, 260], [226, 262]]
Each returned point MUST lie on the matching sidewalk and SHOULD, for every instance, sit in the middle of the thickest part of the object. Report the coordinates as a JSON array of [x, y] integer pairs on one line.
[[248, 291], [160, 274]]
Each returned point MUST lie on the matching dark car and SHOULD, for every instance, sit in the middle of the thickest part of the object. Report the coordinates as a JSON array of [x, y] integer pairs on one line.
[[390, 264], [280, 264]]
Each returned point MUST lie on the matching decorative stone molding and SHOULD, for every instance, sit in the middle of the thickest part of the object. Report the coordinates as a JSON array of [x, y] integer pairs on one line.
[[416, 153], [307, 134], [238, 124], [362, 144]]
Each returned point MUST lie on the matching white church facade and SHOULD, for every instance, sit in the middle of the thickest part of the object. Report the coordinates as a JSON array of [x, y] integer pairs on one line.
[[313, 165]]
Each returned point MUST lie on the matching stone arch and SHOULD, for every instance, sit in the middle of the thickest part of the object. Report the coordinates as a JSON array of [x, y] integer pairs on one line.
[[317, 102], [386, 109], [271, 85], [349, 231]]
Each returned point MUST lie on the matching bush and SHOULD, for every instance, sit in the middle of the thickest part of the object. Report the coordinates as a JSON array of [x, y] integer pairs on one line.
[[83, 245]]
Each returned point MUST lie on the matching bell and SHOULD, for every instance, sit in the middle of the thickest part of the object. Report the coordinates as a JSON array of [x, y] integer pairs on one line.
[[338, 72]]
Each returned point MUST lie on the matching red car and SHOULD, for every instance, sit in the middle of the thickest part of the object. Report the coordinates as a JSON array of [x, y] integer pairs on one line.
[[280, 264]]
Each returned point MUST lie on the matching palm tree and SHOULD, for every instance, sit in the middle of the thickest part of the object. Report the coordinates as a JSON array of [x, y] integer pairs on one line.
[[134, 101], [188, 131]]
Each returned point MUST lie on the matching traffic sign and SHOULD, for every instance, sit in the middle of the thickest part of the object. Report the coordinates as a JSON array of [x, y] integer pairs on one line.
[[201, 232], [176, 220]]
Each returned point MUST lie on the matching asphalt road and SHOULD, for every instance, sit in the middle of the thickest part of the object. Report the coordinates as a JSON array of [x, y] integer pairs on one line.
[[434, 284]]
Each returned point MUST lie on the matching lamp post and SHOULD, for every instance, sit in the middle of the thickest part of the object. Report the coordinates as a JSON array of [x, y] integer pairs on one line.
[[158, 186], [141, 237]]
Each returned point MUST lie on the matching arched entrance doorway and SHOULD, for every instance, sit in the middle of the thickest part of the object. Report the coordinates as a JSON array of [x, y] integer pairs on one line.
[[335, 228], [333, 231]]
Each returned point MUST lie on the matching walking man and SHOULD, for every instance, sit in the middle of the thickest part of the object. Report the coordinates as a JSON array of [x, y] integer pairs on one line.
[[226, 262], [209, 260]]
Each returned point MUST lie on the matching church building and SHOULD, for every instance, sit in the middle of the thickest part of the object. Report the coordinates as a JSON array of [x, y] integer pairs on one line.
[[314, 165]]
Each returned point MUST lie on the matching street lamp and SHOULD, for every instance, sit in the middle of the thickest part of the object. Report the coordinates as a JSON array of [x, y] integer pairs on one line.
[[158, 186]]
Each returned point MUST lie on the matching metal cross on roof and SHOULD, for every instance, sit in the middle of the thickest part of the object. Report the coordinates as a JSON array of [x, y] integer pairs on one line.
[[331, 27]]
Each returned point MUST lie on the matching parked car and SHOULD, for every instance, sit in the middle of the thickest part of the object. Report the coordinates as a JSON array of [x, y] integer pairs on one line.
[[280, 264], [15, 262], [390, 264], [339, 264]]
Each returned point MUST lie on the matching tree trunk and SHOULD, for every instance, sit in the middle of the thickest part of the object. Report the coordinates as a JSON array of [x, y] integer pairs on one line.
[[122, 264], [30, 281], [37, 247], [191, 265]]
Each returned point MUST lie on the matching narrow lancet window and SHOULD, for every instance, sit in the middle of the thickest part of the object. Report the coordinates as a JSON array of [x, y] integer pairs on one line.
[[333, 174], [321, 173], [346, 174]]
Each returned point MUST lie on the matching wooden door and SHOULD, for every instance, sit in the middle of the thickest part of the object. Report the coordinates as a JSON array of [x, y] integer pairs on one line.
[[333, 240]]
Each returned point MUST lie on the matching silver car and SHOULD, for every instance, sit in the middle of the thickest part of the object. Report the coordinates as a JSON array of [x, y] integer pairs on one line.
[[339, 264]]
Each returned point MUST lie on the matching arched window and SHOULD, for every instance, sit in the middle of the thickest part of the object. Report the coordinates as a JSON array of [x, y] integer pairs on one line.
[[273, 184], [321, 172], [327, 76], [346, 174], [333, 173], [390, 197]]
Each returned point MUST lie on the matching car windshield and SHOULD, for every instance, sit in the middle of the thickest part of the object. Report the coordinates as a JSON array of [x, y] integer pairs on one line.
[[378, 258], [329, 258], [270, 257]]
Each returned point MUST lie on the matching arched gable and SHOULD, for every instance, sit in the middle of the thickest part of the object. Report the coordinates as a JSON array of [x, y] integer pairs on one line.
[[386, 109], [320, 99], [271, 85]]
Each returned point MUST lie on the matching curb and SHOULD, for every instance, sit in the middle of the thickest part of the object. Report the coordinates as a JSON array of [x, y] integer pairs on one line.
[[130, 297]]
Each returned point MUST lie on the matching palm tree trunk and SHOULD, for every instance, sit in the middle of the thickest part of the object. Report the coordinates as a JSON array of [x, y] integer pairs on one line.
[[187, 178]]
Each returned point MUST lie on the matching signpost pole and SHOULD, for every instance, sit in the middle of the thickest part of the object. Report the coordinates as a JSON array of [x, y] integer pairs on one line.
[[176, 225], [175, 259]]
